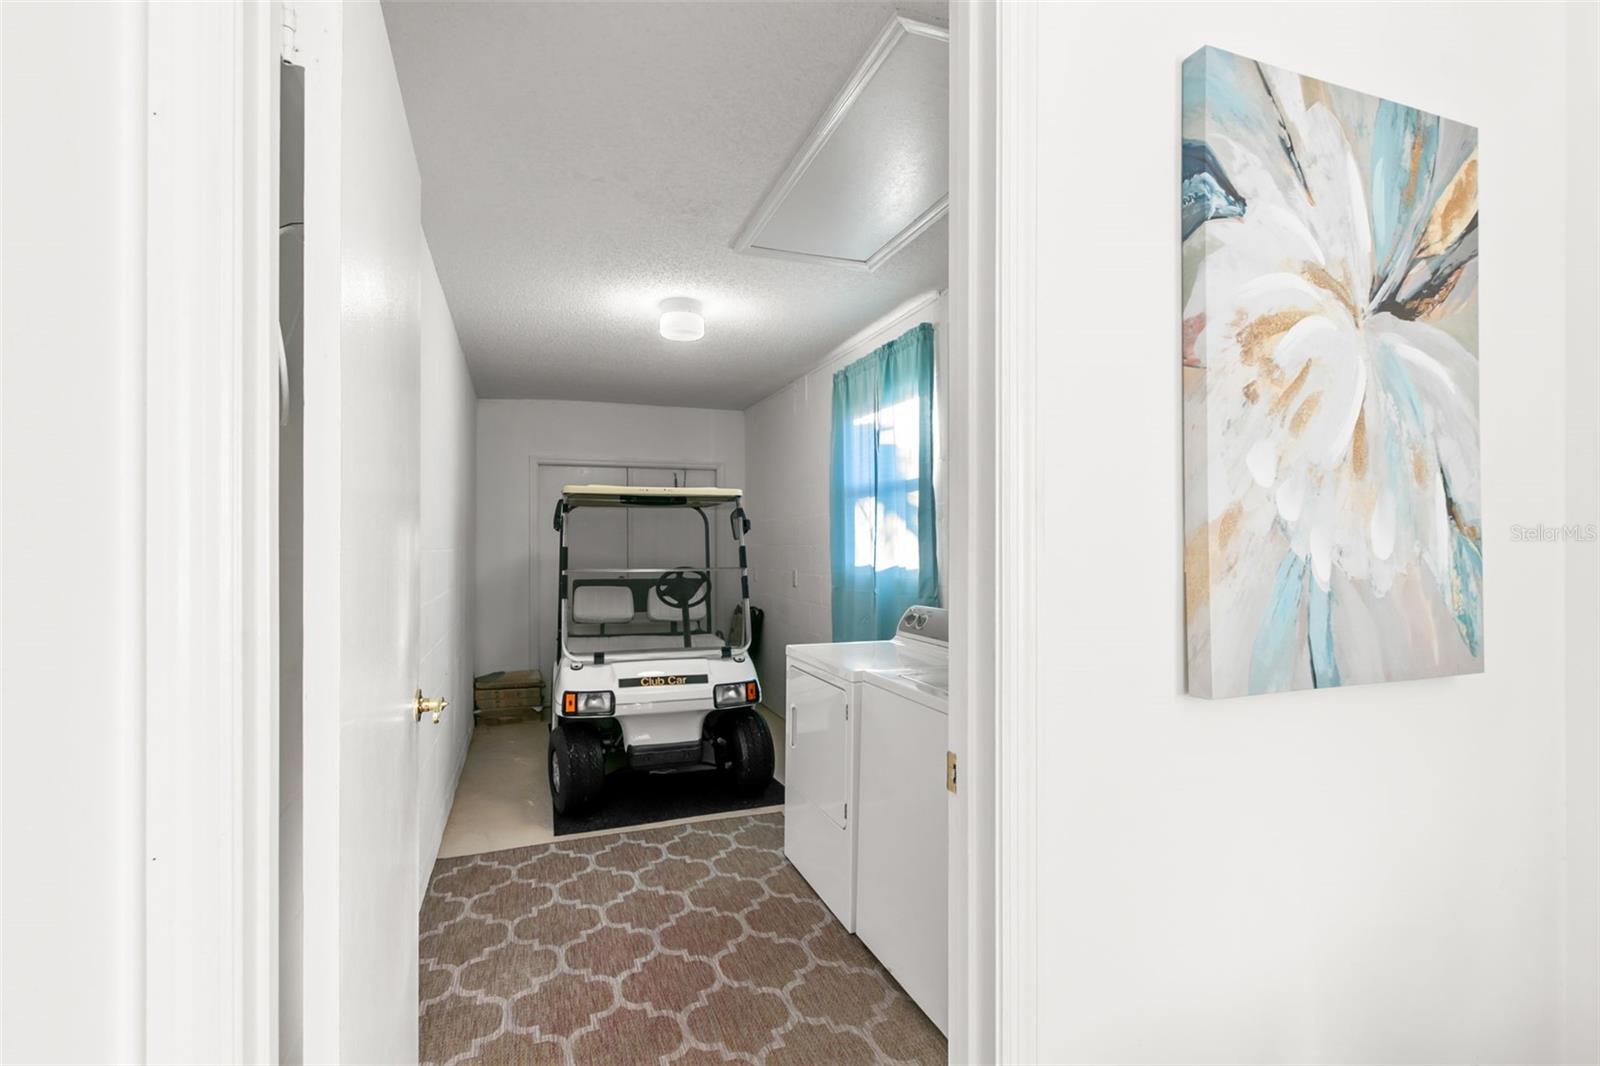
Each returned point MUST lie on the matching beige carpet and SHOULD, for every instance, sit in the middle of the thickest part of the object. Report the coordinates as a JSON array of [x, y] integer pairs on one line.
[[685, 944]]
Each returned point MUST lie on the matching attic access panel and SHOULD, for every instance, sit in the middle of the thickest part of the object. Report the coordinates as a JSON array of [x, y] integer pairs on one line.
[[874, 173]]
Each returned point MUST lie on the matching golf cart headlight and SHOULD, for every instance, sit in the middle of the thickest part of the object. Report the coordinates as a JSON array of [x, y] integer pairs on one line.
[[579, 703], [736, 695]]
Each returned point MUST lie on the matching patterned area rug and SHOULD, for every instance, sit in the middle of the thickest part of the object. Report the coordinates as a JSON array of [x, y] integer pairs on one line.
[[685, 944]]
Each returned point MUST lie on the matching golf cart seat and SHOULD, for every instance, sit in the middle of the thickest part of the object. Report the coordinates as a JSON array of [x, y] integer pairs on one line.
[[603, 604]]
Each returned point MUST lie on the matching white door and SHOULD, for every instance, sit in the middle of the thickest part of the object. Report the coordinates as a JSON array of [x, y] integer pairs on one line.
[[671, 537], [661, 538], [362, 321], [724, 552]]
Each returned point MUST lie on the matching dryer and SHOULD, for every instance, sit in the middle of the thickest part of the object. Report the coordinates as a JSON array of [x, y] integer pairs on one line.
[[822, 736], [902, 830]]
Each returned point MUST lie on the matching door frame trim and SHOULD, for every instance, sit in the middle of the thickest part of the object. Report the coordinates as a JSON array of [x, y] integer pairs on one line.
[[229, 491], [1016, 555], [210, 756], [993, 477]]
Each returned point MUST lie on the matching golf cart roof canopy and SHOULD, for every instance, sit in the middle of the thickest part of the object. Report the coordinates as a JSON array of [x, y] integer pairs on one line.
[[659, 495]]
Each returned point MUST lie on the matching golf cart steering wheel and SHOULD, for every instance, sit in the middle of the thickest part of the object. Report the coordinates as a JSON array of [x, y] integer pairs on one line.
[[683, 590]]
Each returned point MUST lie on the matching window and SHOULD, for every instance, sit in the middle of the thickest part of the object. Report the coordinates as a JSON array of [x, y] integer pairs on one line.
[[883, 538], [883, 544]]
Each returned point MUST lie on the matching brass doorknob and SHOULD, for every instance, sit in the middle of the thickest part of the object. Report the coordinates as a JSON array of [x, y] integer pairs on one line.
[[434, 706]]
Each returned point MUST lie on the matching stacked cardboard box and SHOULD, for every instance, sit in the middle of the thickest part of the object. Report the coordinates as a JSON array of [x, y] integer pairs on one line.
[[509, 694]]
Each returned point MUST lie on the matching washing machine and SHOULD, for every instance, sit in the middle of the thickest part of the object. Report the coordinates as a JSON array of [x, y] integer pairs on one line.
[[822, 736]]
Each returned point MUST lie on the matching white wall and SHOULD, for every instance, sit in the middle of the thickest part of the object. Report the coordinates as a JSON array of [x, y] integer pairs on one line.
[[1582, 388], [787, 446], [72, 794], [1357, 875], [513, 435], [448, 440]]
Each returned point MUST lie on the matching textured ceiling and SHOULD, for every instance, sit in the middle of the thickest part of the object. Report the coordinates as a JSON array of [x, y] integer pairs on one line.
[[582, 161]]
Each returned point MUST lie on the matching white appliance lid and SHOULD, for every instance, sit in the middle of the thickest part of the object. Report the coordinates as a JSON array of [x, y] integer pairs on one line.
[[851, 661], [929, 686]]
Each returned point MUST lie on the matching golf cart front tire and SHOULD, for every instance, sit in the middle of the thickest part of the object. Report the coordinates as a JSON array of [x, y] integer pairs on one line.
[[749, 754], [577, 769]]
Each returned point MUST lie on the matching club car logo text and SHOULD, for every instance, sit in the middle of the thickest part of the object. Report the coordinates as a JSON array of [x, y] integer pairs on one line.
[[663, 680]]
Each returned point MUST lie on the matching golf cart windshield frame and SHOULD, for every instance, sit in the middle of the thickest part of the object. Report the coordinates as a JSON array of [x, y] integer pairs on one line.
[[699, 500]]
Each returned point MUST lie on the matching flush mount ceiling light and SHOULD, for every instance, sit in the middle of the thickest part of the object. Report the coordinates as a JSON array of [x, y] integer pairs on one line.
[[681, 319]]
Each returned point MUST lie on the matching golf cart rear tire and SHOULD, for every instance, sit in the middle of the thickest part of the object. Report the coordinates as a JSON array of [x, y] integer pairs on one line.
[[750, 754], [577, 769]]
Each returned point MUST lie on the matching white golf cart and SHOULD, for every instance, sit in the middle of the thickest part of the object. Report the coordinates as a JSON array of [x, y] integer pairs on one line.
[[644, 679]]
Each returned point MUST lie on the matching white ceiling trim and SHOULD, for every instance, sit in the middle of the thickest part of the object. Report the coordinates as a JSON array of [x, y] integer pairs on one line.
[[868, 338], [888, 327], [898, 28]]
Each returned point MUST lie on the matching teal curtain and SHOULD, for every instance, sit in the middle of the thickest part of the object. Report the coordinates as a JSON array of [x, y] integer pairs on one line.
[[881, 506]]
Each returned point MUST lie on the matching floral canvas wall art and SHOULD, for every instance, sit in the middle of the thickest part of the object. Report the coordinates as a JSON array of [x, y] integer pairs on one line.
[[1333, 531]]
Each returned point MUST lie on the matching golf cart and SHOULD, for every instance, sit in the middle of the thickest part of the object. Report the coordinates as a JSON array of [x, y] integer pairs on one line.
[[644, 679]]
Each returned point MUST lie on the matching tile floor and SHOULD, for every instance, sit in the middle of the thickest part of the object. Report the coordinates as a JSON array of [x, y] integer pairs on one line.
[[503, 798]]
